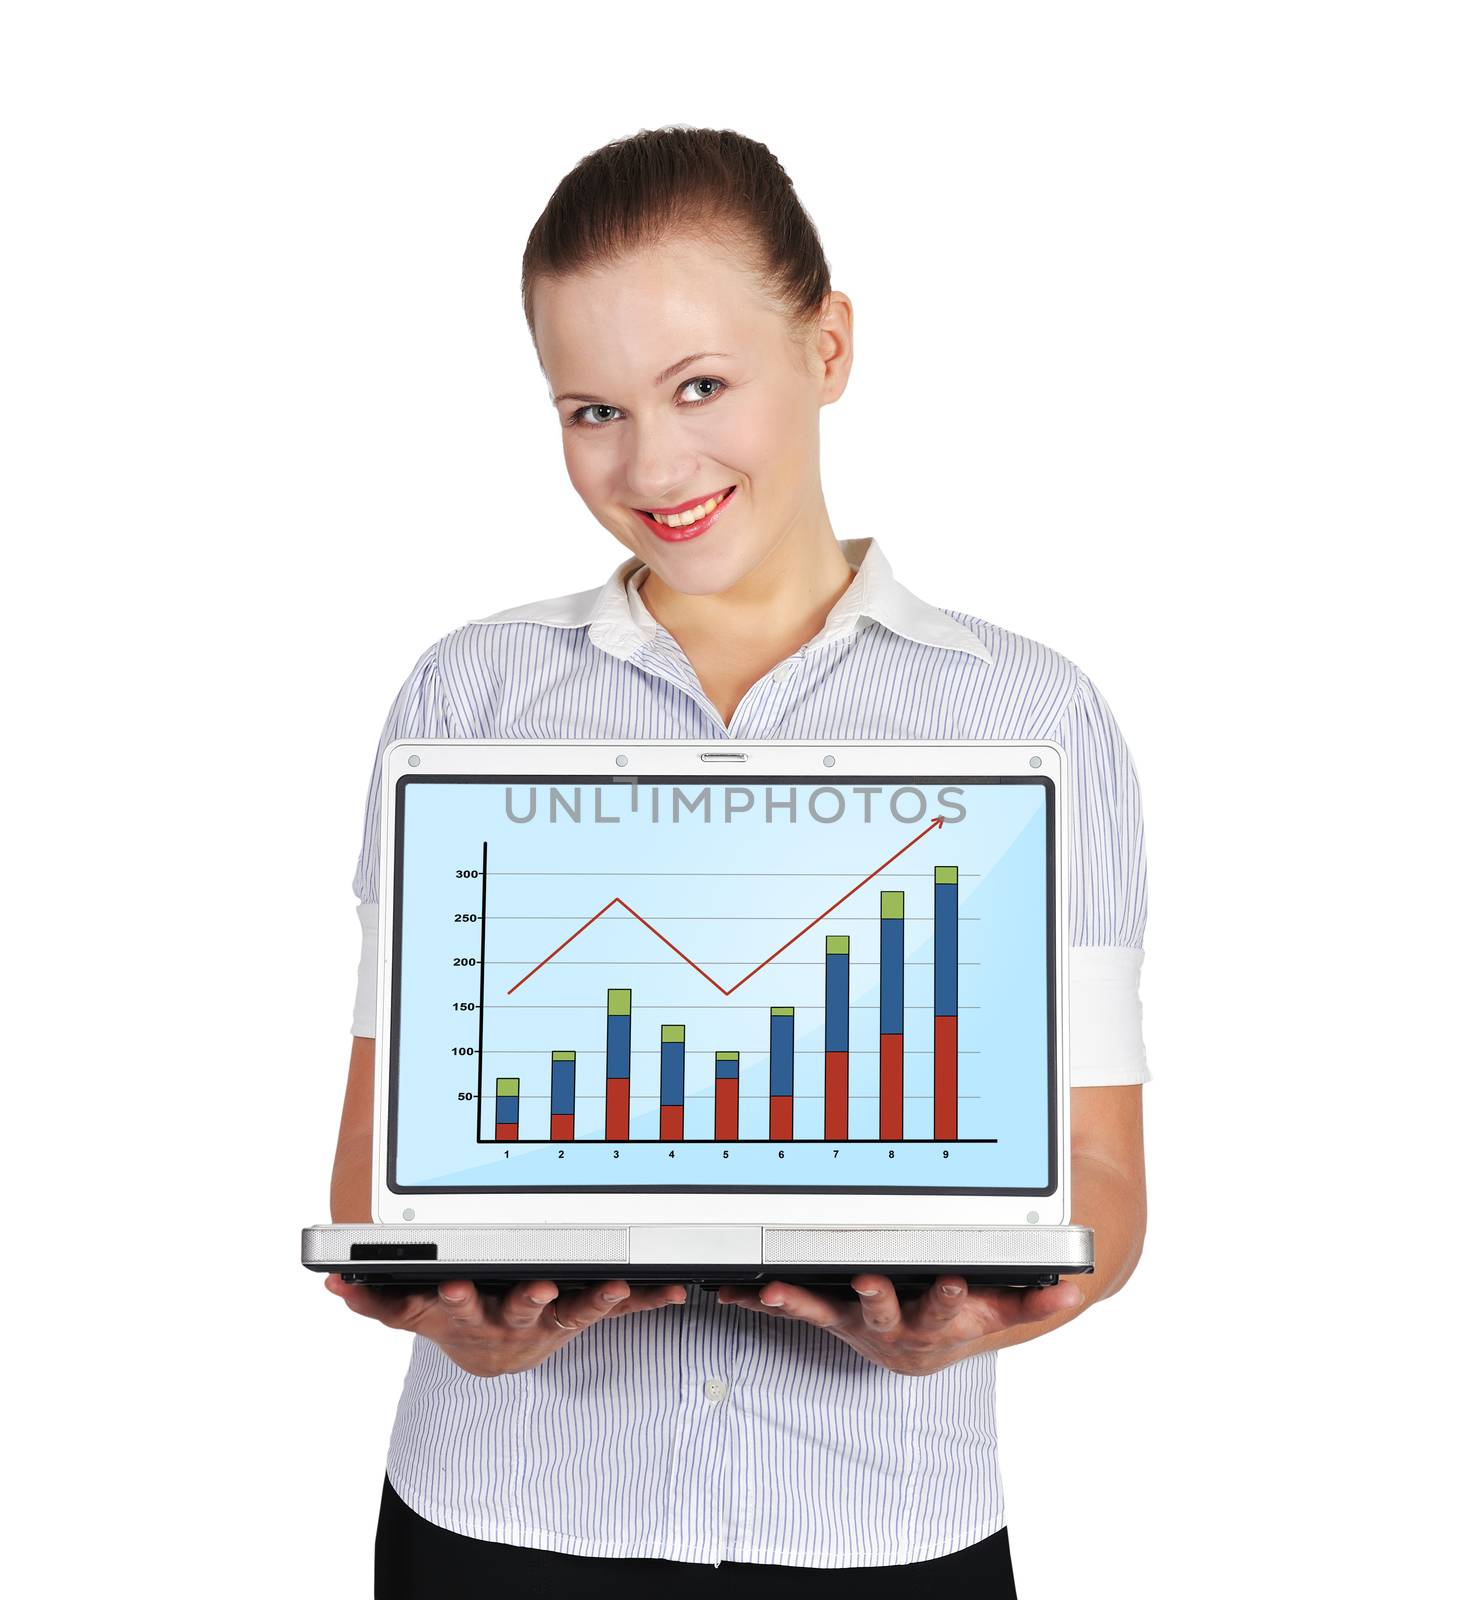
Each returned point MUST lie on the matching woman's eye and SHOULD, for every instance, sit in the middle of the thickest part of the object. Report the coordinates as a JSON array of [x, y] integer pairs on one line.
[[701, 399], [582, 416], [590, 416]]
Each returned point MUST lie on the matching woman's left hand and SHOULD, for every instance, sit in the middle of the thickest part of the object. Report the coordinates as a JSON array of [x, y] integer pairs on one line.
[[945, 1324]]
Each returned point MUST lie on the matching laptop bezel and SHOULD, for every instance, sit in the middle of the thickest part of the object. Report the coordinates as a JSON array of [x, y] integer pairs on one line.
[[672, 760]]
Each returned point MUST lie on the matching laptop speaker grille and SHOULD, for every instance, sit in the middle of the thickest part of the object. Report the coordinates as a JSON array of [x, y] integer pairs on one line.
[[1026, 1246]]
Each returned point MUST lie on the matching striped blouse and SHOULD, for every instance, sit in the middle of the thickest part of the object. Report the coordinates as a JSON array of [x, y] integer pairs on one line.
[[703, 1432]]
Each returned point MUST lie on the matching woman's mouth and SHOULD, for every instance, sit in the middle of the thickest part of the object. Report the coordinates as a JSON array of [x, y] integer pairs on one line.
[[687, 521]]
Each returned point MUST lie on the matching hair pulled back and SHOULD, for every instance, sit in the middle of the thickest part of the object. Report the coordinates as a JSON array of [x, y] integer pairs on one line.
[[661, 182]]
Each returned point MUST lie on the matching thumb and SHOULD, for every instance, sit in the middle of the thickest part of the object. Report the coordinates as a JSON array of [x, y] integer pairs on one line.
[[1059, 1297]]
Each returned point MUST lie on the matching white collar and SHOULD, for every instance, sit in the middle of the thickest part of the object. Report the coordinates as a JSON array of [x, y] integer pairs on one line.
[[620, 623]]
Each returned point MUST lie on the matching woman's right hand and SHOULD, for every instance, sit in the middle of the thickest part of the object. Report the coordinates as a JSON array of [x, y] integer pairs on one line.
[[492, 1334]]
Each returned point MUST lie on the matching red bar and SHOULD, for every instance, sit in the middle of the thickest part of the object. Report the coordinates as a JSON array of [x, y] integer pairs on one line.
[[835, 1094], [726, 1108], [946, 1114], [672, 1122], [780, 1120], [617, 1108], [506, 1130], [891, 1085], [561, 1125]]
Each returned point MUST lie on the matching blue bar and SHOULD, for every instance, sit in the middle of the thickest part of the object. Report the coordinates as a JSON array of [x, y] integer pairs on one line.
[[617, 1043], [946, 948], [835, 1002], [727, 1069], [891, 975], [781, 1055], [561, 1088], [673, 1072], [507, 1110]]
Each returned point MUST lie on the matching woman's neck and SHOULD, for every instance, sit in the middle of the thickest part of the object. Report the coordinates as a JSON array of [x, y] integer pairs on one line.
[[733, 639], [777, 607]]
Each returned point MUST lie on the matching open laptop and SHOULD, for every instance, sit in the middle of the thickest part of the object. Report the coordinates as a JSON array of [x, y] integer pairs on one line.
[[673, 1011]]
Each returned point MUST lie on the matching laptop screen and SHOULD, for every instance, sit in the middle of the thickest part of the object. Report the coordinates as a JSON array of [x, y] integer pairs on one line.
[[714, 984]]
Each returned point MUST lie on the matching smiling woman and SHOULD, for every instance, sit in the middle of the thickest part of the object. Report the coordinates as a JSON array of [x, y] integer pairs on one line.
[[682, 311], [705, 465]]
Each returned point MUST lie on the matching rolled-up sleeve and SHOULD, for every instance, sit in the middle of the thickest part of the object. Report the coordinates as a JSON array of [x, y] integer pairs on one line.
[[1107, 895], [420, 711]]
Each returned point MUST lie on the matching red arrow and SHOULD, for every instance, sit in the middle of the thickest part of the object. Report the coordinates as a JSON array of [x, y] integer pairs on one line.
[[939, 822]]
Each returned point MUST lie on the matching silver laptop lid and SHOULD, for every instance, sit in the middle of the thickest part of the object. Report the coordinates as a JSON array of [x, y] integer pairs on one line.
[[679, 982]]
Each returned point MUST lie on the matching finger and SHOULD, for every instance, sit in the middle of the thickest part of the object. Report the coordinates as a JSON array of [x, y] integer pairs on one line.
[[992, 1310], [784, 1299], [459, 1309], [650, 1298], [646, 1298], [1054, 1297], [395, 1309], [1011, 1308], [944, 1300], [524, 1303], [879, 1302], [796, 1300], [741, 1294], [581, 1309]]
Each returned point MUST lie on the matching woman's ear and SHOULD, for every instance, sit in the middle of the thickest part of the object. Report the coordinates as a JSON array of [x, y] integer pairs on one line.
[[834, 344]]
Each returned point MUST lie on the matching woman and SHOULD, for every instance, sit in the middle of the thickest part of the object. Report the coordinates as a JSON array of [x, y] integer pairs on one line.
[[679, 302]]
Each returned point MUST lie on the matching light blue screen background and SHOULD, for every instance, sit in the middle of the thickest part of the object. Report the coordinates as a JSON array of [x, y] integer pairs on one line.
[[727, 891]]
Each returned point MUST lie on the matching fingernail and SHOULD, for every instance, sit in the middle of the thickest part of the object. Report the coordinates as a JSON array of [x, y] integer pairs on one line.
[[948, 1288], [866, 1292], [452, 1294], [771, 1300], [534, 1300]]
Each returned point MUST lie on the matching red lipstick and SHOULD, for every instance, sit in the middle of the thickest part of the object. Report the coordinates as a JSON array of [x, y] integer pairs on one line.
[[692, 530]]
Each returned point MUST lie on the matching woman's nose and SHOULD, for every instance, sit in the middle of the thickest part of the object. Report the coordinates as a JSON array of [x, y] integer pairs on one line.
[[657, 467]]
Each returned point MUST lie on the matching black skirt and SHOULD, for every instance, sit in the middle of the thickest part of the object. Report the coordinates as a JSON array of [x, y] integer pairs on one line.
[[415, 1558]]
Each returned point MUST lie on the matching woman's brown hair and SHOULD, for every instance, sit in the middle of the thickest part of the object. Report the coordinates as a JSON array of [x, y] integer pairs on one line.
[[637, 191]]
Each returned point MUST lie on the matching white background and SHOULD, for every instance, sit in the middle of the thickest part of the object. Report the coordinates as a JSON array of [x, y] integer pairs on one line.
[[1158, 355]]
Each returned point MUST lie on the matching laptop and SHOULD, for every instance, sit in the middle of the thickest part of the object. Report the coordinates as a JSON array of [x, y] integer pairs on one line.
[[671, 1011]]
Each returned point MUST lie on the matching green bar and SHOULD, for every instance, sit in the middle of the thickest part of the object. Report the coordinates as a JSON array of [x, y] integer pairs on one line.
[[782, 1011], [673, 1033], [563, 1055], [836, 944], [728, 1055], [891, 904], [507, 1085], [619, 1002], [947, 874]]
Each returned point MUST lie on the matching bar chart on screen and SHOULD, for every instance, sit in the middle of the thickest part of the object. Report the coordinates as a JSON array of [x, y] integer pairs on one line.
[[727, 984]]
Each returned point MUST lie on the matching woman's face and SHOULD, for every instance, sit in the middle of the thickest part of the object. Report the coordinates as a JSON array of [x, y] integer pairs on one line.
[[645, 428]]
